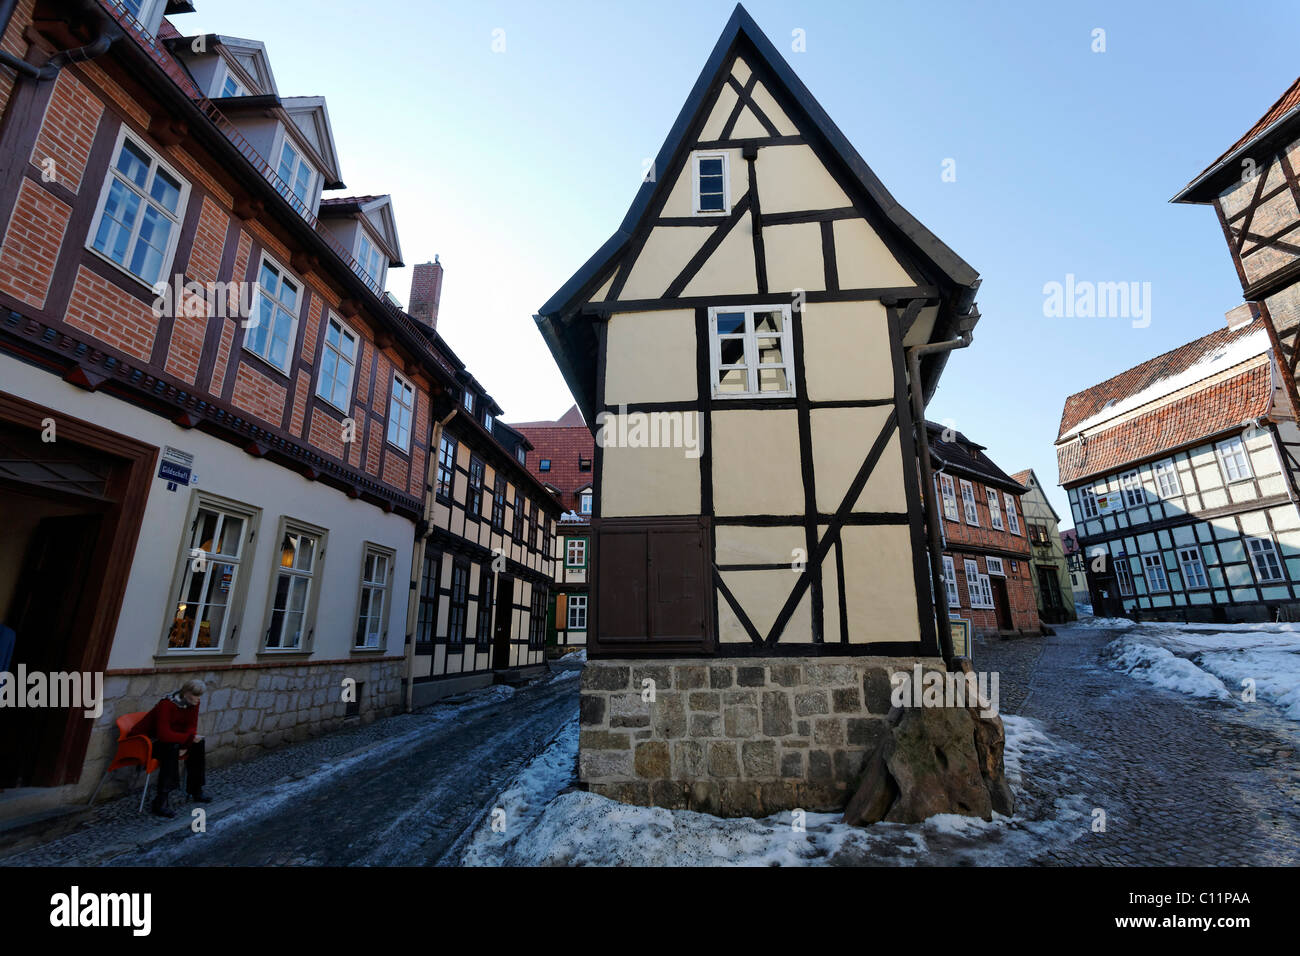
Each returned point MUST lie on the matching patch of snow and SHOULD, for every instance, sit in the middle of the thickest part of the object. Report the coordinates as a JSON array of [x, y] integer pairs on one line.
[[572, 656], [1210, 363], [563, 676], [1161, 667]]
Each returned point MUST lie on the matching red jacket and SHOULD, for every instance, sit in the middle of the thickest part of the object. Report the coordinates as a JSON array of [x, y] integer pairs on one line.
[[169, 723]]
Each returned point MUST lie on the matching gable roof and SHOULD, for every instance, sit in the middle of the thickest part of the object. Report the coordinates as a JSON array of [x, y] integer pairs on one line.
[[563, 444], [1163, 374], [960, 455], [1030, 481], [571, 344], [1221, 407], [1279, 117]]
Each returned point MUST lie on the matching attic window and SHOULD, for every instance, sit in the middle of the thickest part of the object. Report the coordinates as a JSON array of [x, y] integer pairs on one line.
[[710, 183], [468, 400], [521, 455], [232, 87], [584, 464], [295, 173], [544, 465]]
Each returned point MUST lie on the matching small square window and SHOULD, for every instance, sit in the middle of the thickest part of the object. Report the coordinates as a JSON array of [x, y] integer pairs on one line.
[[710, 181], [544, 465], [584, 464]]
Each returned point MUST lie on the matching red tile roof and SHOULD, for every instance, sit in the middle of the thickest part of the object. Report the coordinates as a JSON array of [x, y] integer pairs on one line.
[[1287, 102], [1084, 405], [1022, 477], [1218, 408], [563, 442]]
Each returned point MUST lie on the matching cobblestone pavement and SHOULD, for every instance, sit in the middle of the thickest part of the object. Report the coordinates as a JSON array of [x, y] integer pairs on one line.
[[400, 791], [1181, 780]]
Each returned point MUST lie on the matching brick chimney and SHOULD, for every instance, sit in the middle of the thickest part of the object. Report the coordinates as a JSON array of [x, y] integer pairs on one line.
[[426, 291], [1243, 314]]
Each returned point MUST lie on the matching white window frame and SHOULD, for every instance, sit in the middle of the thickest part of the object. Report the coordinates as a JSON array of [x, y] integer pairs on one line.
[[585, 498], [1166, 473], [1134, 494], [193, 561], [113, 175], [288, 526], [974, 582], [995, 566], [578, 547], [1266, 547], [395, 413], [1124, 575], [1153, 567], [576, 602], [277, 306], [995, 509], [949, 495], [969, 504], [986, 593], [227, 75], [377, 256], [467, 401], [751, 364], [1193, 581], [150, 15], [1088, 503], [309, 193], [1013, 519], [373, 587], [328, 349], [726, 183], [950, 581], [1228, 459]]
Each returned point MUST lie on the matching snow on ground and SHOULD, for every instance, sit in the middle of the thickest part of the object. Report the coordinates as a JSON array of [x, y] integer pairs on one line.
[[1213, 660], [549, 824], [575, 657]]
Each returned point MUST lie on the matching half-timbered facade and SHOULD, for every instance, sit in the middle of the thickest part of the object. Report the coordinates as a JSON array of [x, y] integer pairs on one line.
[[485, 557], [739, 347], [214, 425], [563, 459], [1078, 573], [986, 559], [1175, 470], [1050, 571]]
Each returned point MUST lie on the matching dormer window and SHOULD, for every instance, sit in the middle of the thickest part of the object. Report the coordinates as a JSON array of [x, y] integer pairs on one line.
[[468, 401], [148, 13], [371, 260], [584, 502], [295, 172], [487, 421], [521, 455], [709, 183], [584, 464], [231, 86]]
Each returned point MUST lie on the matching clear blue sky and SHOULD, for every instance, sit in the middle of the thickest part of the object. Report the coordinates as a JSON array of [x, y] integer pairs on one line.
[[515, 166]]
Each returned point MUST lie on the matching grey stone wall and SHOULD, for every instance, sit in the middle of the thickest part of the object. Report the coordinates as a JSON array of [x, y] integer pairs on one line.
[[247, 710], [736, 736]]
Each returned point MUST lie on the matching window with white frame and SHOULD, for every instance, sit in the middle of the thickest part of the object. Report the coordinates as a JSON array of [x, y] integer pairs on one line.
[[949, 496], [1153, 565], [337, 364], [750, 353], [468, 400], [1013, 519], [584, 502], [147, 13], [229, 85], [968, 500], [1167, 479], [995, 509], [295, 172], [577, 612], [975, 584], [950, 581], [1134, 496], [1193, 569], [371, 259], [1232, 453], [995, 566], [1263, 555], [575, 553], [275, 315], [986, 591], [1124, 575], [710, 184], [1088, 502], [375, 570], [291, 589], [487, 422], [138, 219], [401, 409], [212, 560]]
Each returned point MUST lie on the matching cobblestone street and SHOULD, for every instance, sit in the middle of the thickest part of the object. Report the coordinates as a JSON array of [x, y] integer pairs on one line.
[[1181, 780]]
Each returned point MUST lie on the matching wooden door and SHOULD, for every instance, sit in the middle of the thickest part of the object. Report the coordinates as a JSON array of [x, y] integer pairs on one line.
[[504, 617], [1002, 603]]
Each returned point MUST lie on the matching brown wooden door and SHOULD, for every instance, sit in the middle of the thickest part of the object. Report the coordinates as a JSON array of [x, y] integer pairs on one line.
[[1001, 602], [503, 618]]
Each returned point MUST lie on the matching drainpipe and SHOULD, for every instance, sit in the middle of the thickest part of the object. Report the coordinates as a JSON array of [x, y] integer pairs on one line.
[[50, 69], [914, 355]]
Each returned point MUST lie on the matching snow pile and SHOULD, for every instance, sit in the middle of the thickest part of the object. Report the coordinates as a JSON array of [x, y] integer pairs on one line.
[[1105, 623], [563, 676], [548, 824], [575, 657], [1160, 666]]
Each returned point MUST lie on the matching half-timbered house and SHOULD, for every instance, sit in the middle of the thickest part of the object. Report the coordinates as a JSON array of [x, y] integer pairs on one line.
[[741, 347], [563, 459], [1051, 570], [214, 424], [1175, 470], [484, 556]]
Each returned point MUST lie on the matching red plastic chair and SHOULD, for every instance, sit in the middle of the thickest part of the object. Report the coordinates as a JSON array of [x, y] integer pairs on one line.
[[133, 750]]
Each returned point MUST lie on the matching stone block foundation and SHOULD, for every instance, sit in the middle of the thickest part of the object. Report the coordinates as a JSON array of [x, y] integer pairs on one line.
[[733, 736]]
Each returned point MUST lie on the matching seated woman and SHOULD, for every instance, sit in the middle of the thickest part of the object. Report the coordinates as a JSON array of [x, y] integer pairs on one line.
[[173, 726]]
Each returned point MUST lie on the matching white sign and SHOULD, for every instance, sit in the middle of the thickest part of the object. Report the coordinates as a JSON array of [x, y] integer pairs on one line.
[[1109, 502]]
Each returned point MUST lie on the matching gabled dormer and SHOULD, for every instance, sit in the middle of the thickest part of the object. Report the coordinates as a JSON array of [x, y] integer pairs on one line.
[[149, 13], [364, 225], [225, 67]]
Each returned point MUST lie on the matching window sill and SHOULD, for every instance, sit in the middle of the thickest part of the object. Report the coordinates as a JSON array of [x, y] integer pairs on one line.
[[265, 361], [365, 651], [404, 452], [203, 656], [727, 396], [118, 267], [329, 406], [293, 653]]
